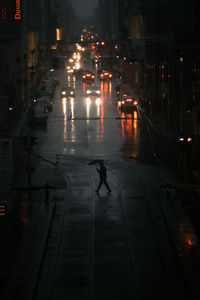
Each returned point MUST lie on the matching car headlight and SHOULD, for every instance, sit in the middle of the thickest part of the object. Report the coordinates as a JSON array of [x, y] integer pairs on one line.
[[63, 93], [72, 93], [98, 92], [88, 92]]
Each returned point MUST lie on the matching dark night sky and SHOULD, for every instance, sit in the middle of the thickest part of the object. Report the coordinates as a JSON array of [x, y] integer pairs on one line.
[[84, 8]]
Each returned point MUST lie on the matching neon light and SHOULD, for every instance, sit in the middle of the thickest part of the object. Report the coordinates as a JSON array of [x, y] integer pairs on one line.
[[18, 10], [3, 13]]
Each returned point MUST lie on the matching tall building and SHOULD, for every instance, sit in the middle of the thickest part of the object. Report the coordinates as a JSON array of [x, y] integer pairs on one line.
[[172, 48], [25, 34], [110, 18]]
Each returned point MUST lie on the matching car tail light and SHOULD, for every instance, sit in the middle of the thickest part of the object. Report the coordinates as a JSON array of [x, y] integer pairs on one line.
[[123, 102], [106, 74], [92, 76], [110, 75], [129, 100], [88, 75], [135, 103], [83, 76], [102, 75]]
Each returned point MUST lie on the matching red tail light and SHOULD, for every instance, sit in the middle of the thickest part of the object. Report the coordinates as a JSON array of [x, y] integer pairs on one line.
[[110, 75], [83, 76], [129, 100], [92, 76]]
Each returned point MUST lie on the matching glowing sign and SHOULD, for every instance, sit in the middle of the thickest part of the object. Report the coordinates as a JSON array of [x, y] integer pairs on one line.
[[18, 10]]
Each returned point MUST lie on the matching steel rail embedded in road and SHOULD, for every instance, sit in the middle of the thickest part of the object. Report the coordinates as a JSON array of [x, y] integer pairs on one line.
[[132, 285], [51, 275]]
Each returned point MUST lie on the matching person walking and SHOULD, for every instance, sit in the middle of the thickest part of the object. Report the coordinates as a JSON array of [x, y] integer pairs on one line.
[[102, 178]]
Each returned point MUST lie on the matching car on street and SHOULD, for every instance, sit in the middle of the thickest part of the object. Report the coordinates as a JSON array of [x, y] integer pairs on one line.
[[93, 91], [88, 77], [105, 75], [68, 92], [128, 103]]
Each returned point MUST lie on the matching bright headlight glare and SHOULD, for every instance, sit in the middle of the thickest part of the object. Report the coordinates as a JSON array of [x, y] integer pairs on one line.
[[98, 101]]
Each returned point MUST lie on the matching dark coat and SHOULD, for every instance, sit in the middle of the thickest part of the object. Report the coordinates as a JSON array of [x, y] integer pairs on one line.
[[102, 172]]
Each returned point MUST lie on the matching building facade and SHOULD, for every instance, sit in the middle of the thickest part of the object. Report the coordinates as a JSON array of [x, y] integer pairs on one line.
[[27, 32]]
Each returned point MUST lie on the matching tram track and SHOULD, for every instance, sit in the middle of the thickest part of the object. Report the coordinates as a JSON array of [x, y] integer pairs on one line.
[[53, 260], [127, 237], [160, 224], [52, 264]]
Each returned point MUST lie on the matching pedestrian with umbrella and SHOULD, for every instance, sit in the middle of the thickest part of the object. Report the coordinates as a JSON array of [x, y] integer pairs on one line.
[[102, 175]]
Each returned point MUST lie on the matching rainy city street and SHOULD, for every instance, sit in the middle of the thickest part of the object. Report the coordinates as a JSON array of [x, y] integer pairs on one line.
[[99, 151], [117, 245]]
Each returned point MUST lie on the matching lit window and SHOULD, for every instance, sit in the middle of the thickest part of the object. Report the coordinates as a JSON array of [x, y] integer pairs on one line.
[[58, 34]]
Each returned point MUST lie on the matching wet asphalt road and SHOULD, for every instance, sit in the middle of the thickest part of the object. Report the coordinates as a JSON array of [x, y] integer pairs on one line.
[[103, 246], [91, 127]]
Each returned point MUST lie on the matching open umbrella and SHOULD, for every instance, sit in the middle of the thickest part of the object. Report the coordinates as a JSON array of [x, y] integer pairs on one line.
[[95, 161]]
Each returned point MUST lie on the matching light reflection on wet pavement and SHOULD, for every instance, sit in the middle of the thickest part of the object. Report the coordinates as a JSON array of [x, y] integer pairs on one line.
[[91, 126]]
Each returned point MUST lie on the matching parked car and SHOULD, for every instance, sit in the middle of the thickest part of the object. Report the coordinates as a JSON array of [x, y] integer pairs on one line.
[[38, 114], [43, 96], [47, 101]]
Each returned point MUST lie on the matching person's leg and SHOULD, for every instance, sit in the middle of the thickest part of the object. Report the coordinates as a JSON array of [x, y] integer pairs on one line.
[[99, 186], [107, 186]]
